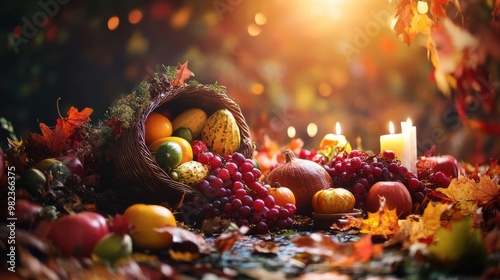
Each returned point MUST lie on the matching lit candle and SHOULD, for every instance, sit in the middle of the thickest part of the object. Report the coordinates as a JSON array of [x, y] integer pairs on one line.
[[395, 142], [335, 140], [411, 135]]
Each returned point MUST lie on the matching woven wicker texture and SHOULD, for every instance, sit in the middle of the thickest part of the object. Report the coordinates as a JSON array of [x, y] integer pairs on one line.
[[132, 170]]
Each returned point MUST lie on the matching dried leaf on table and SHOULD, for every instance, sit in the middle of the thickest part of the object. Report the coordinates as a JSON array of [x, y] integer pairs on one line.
[[384, 222], [319, 244], [186, 245], [226, 240], [266, 247], [419, 228]]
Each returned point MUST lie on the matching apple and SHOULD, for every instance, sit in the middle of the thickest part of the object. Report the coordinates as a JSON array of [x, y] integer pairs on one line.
[[446, 163], [396, 194], [74, 164]]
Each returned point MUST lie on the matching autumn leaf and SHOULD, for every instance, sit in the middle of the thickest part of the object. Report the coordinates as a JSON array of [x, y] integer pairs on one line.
[[183, 73], [417, 228], [469, 193], [53, 139], [384, 222], [364, 249], [74, 120], [494, 168], [438, 8], [115, 126], [226, 240], [486, 189], [266, 247], [319, 244], [186, 245], [459, 248], [409, 22]]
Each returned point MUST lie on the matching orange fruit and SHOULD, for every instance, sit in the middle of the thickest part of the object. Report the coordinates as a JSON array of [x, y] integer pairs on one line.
[[156, 126]]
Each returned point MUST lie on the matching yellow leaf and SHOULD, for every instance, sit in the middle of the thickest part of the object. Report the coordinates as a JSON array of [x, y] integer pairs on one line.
[[384, 222], [486, 189], [417, 228], [459, 189]]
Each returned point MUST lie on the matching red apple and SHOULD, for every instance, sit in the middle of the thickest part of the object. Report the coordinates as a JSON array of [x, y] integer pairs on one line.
[[74, 165], [445, 163], [396, 194]]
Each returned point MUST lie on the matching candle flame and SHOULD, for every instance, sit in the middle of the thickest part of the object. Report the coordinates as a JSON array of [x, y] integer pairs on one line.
[[337, 128], [410, 124], [391, 127]]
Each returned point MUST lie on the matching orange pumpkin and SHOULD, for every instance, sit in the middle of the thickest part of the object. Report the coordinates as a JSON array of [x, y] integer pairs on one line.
[[282, 195], [333, 201]]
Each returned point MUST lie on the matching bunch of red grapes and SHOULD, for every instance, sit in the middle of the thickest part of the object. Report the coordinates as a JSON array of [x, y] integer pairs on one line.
[[357, 171], [233, 190]]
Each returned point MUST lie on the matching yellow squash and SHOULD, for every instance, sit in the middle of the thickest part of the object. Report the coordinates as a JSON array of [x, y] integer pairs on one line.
[[193, 118], [221, 133]]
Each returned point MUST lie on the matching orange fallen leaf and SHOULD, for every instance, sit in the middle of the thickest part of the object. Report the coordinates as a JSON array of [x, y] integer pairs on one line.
[[384, 222], [226, 240]]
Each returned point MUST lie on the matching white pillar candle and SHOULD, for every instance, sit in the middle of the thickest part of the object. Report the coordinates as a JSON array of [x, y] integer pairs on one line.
[[395, 142], [411, 134]]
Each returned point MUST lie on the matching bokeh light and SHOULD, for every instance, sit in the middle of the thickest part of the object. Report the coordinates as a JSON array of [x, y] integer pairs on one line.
[[135, 16], [113, 23]]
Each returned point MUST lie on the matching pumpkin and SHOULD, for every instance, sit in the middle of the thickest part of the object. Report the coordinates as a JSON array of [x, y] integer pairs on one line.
[[303, 177], [333, 201], [282, 195]]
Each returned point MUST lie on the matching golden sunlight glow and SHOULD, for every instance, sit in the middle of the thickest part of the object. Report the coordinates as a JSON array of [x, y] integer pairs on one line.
[[331, 9], [135, 16], [113, 23], [391, 128], [260, 18], [312, 129], [254, 29], [257, 88], [337, 129], [291, 132]]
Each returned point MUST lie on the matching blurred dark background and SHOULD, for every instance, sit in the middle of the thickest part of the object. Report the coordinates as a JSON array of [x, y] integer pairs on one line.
[[286, 63]]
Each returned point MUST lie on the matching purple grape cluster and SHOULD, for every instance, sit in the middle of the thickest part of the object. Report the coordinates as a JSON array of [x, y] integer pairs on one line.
[[357, 171], [233, 190]]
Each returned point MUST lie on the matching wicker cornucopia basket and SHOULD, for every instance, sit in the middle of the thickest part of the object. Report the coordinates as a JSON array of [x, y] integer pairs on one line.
[[131, 169]]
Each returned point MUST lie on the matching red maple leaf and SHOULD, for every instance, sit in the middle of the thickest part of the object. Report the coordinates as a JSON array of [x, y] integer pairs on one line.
[[115, 125], [54, 139], [438, 8], [183, 73], [74, 120]]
